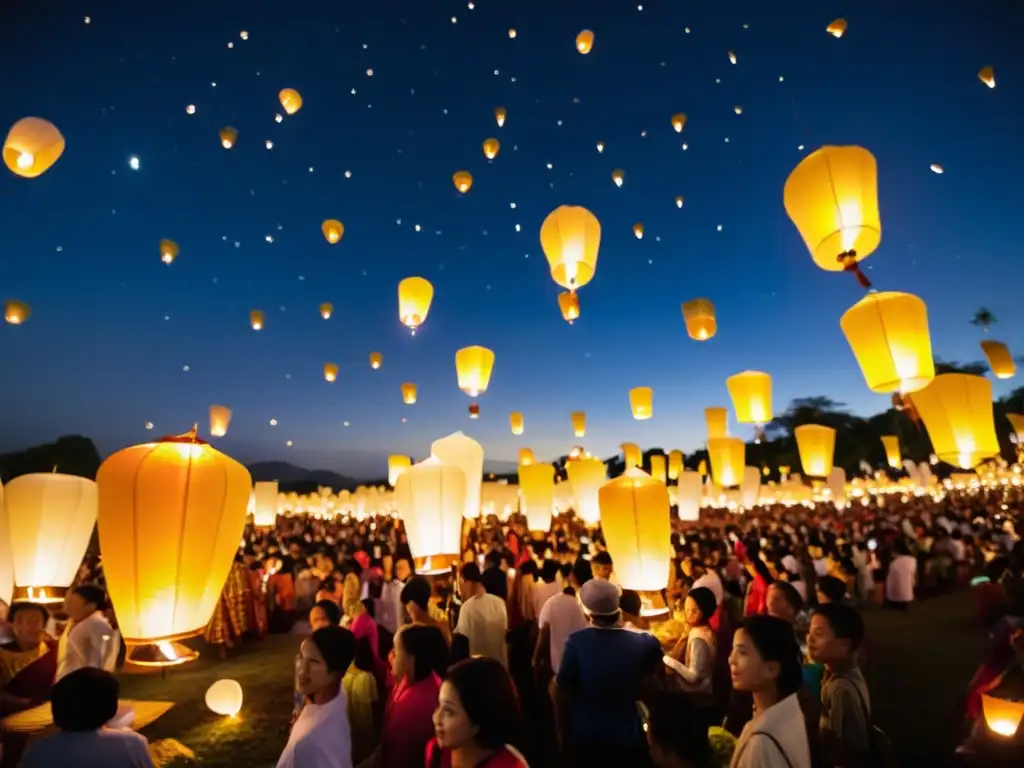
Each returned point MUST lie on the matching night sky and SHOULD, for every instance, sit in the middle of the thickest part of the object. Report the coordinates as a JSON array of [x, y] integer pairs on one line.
[[113, 327]]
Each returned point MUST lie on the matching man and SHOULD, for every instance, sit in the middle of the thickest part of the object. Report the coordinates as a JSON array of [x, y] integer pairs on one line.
[[603, 566], [88, 639], [28, 663], [495, 576], [483, 620], [416, 600], [547, 587], [559, 618], [631, 605]]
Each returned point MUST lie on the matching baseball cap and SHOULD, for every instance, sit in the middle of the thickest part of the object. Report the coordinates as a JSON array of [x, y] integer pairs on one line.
[[600, 597]]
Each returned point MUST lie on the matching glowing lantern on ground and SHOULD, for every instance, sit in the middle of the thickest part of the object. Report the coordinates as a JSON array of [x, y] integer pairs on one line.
[[817, 445], [397, 464], [220, 418], [637, 526], [631, 455], [579, 423], [675, 464], [171, 514], [326, 310], [16, 312], [333, 230], [256, 318], [888, 333], [717, 420], [491, 149], [168, 251], [586, 476], [987, 75], [570, 237], [641, 401], [585, 41], [48, 520], [291, 100], [751, 393], [537, 495], [658, 468], [1002, 715], [618, 176], [414, 297], [330, 371], [638, 230], [893, 457], [459, 450], [999, 359], [957, 412], [832, 199], [264, 505], [569, 303], [473, 366], [32, 146], [699, 315], [525, 456], [430, 498], [679, 122], [408, 393], [515, 420], [728, 456], [836, 28], [500, 113], [224, 697], [463, 180], [376, 360], [474, 410], [228, 137]]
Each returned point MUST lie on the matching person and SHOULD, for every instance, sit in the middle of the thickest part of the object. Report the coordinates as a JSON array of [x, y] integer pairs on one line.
[[321, 737], [364, 627], [830, 589], [28, 664], [902, 576], [760, 579], [420, 659], [559, 618], [765, 661], [88, 639], [83, 701], [605, 670], [784, 602], [835, 636], [477, 720], [325, 613], [547, 587], [230, 620], [483, 620], [631, 605], [363, 699], [676, 735], [693, 657], [495, 578], [415, 597], [603, 566]]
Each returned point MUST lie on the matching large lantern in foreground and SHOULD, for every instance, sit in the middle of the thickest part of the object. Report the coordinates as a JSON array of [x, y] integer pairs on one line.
[[956, 409], [537, 495], [641, 402], [32, 146], [728, 456], [473, 366], [220, 419], [751, 393], [999, 359], [891, 444], [888, 333], [817, 445], [414, 297], [570, 238], [586, 476], [171, 514], [430, 498], [718, 421], [699, 316], [579, 423], [467, 454], [264, 503], [48, 520]]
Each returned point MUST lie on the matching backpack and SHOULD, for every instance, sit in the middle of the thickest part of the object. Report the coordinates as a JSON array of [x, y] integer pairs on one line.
[[880, 754]]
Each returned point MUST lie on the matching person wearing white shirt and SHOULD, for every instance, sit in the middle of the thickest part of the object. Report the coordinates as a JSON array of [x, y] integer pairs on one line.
[[483, 619], [88, 639], [549, 585], [899, 583]]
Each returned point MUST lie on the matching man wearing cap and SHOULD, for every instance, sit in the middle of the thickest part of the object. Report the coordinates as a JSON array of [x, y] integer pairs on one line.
[[605, 670]]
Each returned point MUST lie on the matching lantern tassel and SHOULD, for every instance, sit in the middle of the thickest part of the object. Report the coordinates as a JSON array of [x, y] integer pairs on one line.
[[850, 264]]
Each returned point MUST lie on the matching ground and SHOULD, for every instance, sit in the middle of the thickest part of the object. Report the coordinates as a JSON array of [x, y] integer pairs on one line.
[[920, 666]]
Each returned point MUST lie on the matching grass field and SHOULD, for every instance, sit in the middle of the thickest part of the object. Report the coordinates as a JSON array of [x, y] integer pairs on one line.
[[921, 662]]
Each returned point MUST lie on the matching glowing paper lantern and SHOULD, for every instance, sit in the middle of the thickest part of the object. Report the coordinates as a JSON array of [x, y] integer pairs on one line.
[[699, 316], [256, 319], [525, 456], [638, 230], [171, 514], [228, 137], [675, 464], [48, 520], [600, 147], [16, 312], [718, 421], [750, 488], [631, 455], [500, 113], [168, 251], [473, 366], [570, 238], [6, 557], [32, 146], [658, 468], [956, 409], [579, 423], [326, 310], [999, 359], [408, 393], [586, 476], [1017, 422], [265, 498], [330, 372], [728, 456], [537, 495], [569, 303], [333, 230], [679, 122], [459, 450], [414, 297], [515, 420], [462, 180], [832, 199], [430, 497], [618, 176], [688, 495], [376, 360], [397, 464], [585, 41], [224, 697], [751, 393], [291, 100], [836, 28], [679, 201], [987, 75], [891, 444], [491, 149], [1002, 715], [641, 401], [220, 418], [817, 445]]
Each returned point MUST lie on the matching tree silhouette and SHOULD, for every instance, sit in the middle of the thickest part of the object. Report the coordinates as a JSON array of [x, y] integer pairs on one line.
[[974, 369], [984, 318]]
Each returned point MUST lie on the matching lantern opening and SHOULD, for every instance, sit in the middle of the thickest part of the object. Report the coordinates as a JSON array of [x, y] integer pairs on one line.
[[25, 160], [41, 595], [161, 653]]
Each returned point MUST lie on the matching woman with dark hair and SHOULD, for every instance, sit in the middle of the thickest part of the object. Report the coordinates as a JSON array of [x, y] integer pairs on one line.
[[362, 695], [677, 736], [765, 662], [693, 657], [420, 659], [477, 719], [757, 588]]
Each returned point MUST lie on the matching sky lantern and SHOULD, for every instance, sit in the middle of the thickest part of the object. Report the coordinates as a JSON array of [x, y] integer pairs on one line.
[[689, 491], [462, 451], [987, 75], [888, 333], [679, 201], [171, 514], [264, 503], [326, 310], [675, 464], [751, 393], [832, 199], [168, 251], [330, 372], [586, 476], [414, 297], [891, 445], [500, 113], [702, 467], [515, 420], [600, 147], [638, 230], [569, 303], [409, 393], [579, 423], [32, 146], [16, 312], [728, 457], [618, 176], [291, 100], [999, 359], [1003, 714], [699, 316], [936, 168], [631, 455], [333, 230], [836, 28], [228, 137], [48, 520], [220, 418], [817, 445], [637, 526], [679, 122], [717, 420], [585, 41], [397, 464], [256, 319], [376, 360], [570, 238], [641, 401], [658, 468], [525, 456], [537, 495], [463, 180], [491, 149], [430, 498], [474, 410], [1017, 423], [473, 366], [956, 409]]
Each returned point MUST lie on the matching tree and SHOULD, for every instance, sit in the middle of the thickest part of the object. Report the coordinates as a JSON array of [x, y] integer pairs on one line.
[[974, 369], [984, 319]]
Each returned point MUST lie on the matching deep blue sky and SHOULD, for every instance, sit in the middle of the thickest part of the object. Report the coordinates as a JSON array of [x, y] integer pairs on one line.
[[112, 326]]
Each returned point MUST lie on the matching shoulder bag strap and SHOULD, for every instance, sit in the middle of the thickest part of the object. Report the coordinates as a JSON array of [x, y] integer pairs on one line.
[[777, 746]]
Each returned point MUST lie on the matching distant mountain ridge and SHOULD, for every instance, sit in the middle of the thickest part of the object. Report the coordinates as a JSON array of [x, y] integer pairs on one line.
[[289, 474]]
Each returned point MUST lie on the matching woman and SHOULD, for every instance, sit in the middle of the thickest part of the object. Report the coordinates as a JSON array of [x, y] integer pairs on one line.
[[364, 627], [420, 658], [364, 710], [477, 718], [757, 588], [693, 657], [320, 737], [765, 662]]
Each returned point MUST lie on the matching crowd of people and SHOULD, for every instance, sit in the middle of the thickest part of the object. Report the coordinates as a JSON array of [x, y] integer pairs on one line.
[[529, 652]]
